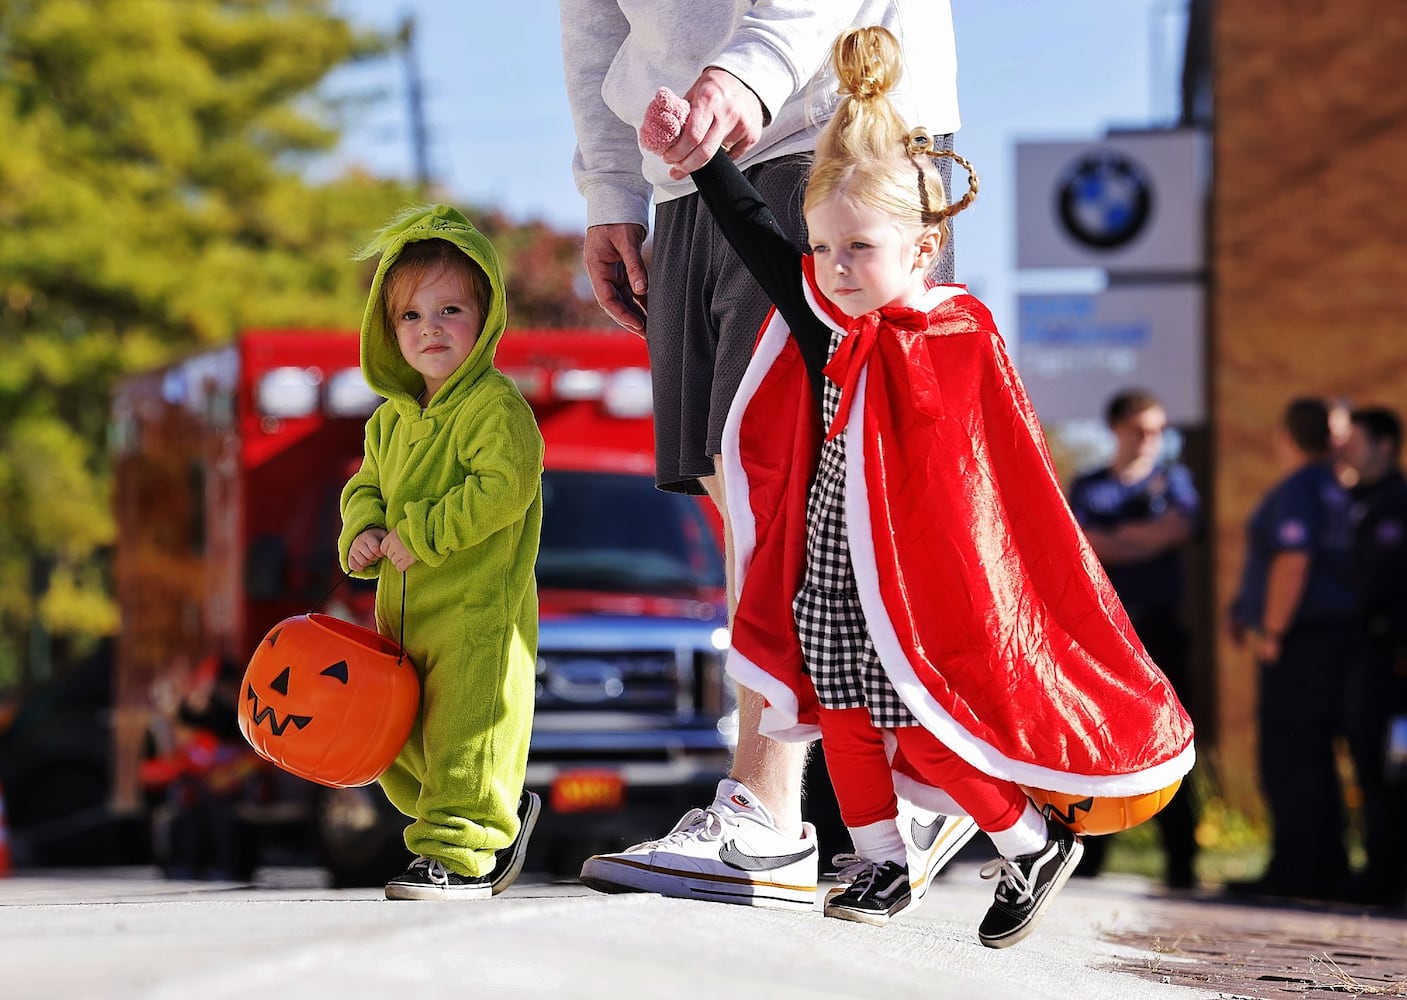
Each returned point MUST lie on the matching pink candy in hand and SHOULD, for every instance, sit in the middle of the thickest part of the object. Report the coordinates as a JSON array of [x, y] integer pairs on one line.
[[664, 120]]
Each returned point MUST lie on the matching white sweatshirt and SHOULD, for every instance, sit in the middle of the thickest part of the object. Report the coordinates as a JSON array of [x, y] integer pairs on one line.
[[617, 53]]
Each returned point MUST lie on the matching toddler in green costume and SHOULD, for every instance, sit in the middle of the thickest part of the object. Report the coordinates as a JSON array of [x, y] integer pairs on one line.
[[449, 494]]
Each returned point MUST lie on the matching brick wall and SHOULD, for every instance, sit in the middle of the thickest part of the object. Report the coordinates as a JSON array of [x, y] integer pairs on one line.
[[1308, 259]]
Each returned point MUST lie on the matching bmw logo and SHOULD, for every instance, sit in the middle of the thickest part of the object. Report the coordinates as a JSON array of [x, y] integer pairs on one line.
[[1104, 199]]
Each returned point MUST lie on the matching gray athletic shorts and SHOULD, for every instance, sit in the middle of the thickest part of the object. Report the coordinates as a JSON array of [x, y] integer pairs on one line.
[[705, 312]]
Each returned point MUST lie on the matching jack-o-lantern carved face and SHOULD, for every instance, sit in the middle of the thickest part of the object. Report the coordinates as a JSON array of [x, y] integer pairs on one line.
[[265, 714], [328, 700], [1087, 814]]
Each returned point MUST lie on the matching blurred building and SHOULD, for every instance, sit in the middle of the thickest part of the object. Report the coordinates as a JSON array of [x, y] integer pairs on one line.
[[1307, 250], [1254, 248]]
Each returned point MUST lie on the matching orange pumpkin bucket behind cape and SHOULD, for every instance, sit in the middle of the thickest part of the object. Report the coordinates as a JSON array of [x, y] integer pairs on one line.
[[1089, 814]]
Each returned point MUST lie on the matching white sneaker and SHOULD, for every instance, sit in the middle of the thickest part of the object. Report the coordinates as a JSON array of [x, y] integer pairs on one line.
[[730, 852], [931, 840]]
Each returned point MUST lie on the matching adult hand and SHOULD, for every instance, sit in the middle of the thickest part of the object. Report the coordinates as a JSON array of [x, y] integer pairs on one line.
[[617, 272], [723, 111], [365, 549], [394, 549], [1266, 647]]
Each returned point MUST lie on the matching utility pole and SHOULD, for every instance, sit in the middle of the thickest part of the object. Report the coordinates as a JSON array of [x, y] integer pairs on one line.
[[415, 100]]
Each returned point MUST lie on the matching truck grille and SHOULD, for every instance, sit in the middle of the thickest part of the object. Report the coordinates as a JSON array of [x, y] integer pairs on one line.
[[653, 681]]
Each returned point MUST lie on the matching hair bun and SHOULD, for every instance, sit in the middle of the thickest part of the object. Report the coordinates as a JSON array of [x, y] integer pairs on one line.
[[868, 62]]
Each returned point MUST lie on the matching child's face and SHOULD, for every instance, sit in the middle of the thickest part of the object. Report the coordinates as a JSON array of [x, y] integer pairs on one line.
[[438, 326], [863, 260]]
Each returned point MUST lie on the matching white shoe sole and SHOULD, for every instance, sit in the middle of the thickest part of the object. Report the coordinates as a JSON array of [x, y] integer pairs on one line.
[[858, 916], [615, 874], [434, 893]]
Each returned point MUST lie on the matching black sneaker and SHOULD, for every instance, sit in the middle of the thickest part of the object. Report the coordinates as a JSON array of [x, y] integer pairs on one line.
[[428, 878], [877, 890], [508, 861], [1027, 885]]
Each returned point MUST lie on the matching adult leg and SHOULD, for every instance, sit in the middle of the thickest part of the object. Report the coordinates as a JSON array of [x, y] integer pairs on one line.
[[1298, 718], [772, 770], [1368, 698], [1167, 642], [706, 311]]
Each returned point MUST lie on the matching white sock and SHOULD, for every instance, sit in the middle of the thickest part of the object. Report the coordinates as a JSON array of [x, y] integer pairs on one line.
[[879, 842], [1026, 836], [737, 798]]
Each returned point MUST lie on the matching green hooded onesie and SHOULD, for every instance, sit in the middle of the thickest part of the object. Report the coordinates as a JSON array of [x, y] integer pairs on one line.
[[461, 482]]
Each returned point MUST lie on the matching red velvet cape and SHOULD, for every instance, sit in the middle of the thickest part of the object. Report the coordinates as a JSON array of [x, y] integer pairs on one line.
[[990, 613]]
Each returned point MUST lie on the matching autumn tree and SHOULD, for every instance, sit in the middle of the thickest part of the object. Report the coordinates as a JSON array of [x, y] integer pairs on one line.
[[153, 202]]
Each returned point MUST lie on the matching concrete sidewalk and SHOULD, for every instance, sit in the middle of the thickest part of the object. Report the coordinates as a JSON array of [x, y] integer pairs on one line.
[[127, 933]]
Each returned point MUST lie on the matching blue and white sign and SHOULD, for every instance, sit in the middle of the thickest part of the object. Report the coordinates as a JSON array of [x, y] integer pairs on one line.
[[1076, 351], [1105, 199], [1130, 203]]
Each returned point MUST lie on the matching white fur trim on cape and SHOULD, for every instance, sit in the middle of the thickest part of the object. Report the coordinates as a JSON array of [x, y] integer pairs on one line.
[[770, 344], [779, 717], [779, 720]]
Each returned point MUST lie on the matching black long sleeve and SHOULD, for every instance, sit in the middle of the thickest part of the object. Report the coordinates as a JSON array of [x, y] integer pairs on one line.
[[767, 252]]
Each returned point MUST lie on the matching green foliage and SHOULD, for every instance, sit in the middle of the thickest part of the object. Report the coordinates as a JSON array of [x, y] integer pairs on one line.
[[540, 267], [1231, 845], [152, 204]]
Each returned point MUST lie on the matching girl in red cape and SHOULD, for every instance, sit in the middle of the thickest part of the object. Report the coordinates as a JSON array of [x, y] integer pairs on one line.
[[911, 585]]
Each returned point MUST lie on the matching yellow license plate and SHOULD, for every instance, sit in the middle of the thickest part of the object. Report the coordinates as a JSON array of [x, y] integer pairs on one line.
[[587, 791]]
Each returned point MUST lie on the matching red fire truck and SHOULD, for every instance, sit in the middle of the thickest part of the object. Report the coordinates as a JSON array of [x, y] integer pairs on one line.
[[228, 467]]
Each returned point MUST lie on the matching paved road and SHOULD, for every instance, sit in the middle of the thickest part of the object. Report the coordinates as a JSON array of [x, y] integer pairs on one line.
[[126, 933]]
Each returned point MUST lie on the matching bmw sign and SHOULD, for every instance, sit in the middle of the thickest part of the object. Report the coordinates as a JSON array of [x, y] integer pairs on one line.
[[1104, 199], [1132, 203]]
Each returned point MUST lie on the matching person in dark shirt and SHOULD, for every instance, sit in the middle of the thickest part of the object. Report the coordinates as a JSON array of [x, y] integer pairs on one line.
[[1296, 612], [1377, 689], [1138, 513]]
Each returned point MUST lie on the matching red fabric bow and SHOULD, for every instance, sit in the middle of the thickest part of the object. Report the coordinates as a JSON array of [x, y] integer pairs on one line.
[[854, 351]]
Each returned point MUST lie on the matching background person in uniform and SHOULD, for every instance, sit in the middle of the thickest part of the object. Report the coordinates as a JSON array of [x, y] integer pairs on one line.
[[758, 81], [1377, 689], [1138, 512], [1295, 612]]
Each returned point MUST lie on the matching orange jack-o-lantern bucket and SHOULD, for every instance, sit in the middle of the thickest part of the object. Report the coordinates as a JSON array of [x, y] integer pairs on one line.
[[328, 700], [1090, 814]]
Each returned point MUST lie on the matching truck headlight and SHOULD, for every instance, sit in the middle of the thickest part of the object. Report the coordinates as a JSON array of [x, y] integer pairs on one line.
[[288, 392]]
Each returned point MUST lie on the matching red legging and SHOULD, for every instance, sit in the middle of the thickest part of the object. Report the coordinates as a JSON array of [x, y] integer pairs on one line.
[[864, 785]]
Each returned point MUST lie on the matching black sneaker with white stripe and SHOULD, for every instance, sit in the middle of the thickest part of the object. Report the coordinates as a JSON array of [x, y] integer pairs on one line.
[[876, 892], [428, 878], [508, 862], [1026, 885]]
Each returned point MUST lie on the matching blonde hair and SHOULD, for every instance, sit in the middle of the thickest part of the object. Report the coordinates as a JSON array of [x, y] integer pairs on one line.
[[418, 259], [868, 152]]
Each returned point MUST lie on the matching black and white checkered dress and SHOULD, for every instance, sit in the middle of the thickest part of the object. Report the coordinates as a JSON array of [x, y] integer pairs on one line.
[[834, 639]]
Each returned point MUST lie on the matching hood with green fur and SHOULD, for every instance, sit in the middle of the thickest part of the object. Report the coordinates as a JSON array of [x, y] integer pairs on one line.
[[385, 370]]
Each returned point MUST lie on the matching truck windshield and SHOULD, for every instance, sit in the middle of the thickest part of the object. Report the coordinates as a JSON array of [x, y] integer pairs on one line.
[[616, 532]]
